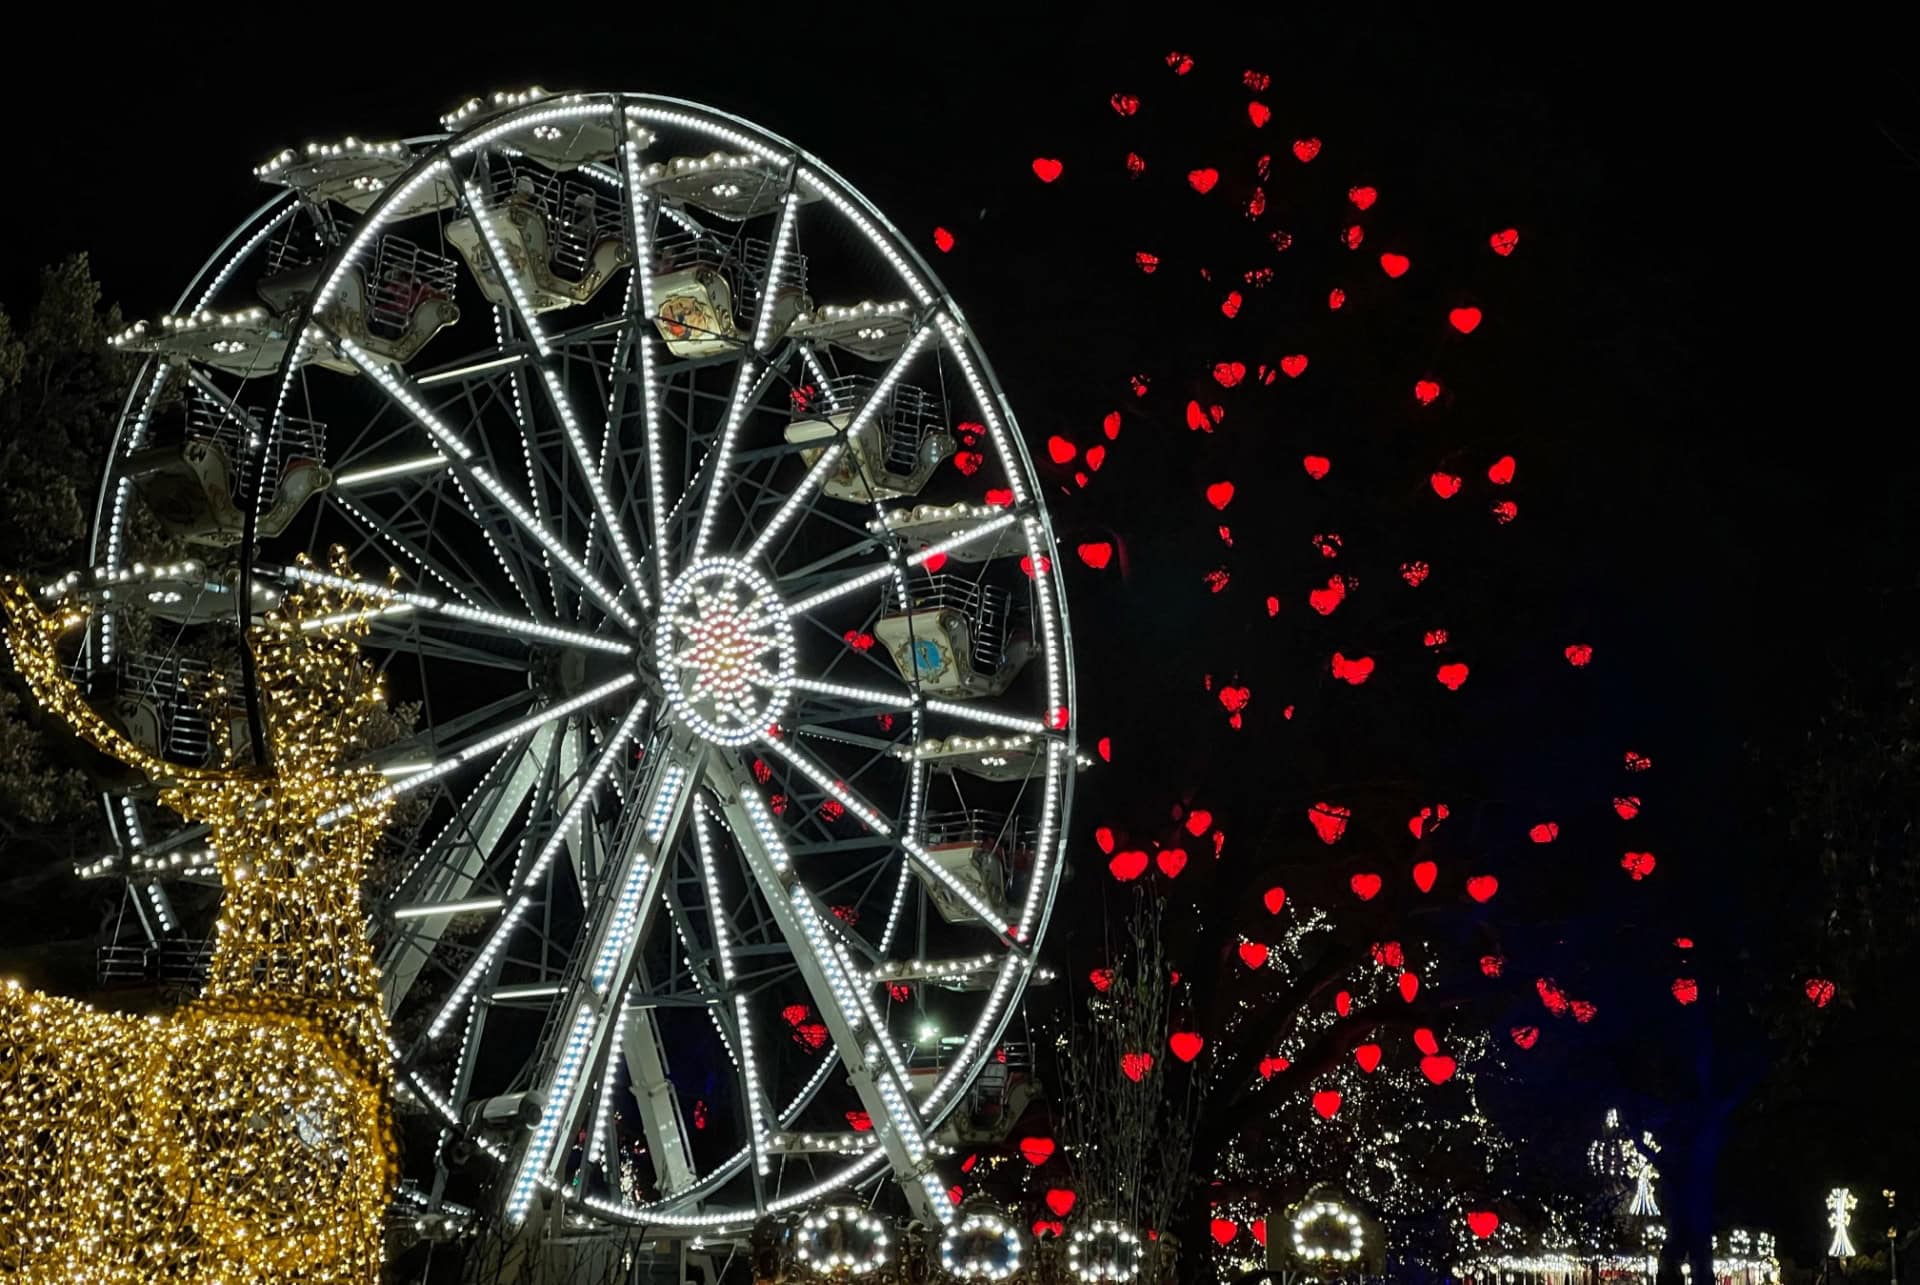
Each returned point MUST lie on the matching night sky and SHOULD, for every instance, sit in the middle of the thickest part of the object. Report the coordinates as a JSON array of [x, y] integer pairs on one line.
[[1720, 264]]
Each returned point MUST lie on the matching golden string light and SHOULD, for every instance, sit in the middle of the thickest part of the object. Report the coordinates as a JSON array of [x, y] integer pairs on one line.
[[246, 1136]]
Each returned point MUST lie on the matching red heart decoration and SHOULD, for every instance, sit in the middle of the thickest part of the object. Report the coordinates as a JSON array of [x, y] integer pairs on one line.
[[1635, 761], [1389, 954], [1336, 299], [1426, 391], [1343, 1003], [1545, 832], [1354, 672], [1124, 104], [1230, 307], [1235, 698], [1362, 197], [1638, 864], [1552, 996], [1186, 1045], [942, 240], [1327, 1102], [1181, 63], [1525, 1036], [1044, 1227], [1146, 261], [1424, 873], [1202, 181], [1424, 1041], [1445, 485], [1096, 554], [1026, 564], [1409, 986], [1229, 373], [934, 562], [1500, 472], [1060, 1200], [1483, 1222], [1293, 364], [1136, 1065], [1482, 887], [1275, 898], [1220, 494], [1129, 865], [1503, 241], [968, 462], [1505, 512], [1223, 1230], [1395, 265], [1046, 169], [1368, 1056], [1060, 450], [1415, 573], [1271, 1066], [1103, 836], [1627, 806], [1819, 991], [1326, 600], [1582, 1010], [1259, 114], [1171, 861], [1104, 747], [1685, 990], [1198, 820], [1465, 320], [1305, 149], [1000, 497], [1329, 821], [955, 1193], [1197, 420], [1136, 165], [1316, 466], [1451, 675], [1579, 655], [1366, 886], [1102, 979], [1036, 1150], [1259, 1229], [860, 1121], [1253, 954], [1437, 1067]]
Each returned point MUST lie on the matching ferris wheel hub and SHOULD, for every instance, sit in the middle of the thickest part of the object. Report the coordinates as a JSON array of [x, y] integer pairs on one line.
[[725, 651]]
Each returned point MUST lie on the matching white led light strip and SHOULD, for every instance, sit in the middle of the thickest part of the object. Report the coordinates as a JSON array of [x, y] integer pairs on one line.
[[750, 1075], [427, 602], [875, 574], [989, 717], [710, 878], [641, 280], [478, 748], [743, 386], [869, 695], [539, 1151]]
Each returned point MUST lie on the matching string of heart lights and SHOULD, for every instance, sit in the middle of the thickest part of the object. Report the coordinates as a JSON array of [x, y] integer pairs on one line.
[[246, 1136], [1317, 1233]]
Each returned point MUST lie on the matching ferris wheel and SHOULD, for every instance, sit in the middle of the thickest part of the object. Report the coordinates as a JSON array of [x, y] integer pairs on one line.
[[734, 740]]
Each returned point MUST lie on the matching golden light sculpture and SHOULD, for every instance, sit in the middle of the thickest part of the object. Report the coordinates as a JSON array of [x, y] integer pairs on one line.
[[246, 1136]]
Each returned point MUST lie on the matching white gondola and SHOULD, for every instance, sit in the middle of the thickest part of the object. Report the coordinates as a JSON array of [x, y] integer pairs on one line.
[[197, 489], [708, 292], [956, 638], [896, 449], [874, 331], [354, 173], [563, 238], [982, 851], [250, 343], [732, 186]]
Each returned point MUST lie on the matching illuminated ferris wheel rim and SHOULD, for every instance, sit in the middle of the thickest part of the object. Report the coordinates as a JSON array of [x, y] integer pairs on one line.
[[630, 605]]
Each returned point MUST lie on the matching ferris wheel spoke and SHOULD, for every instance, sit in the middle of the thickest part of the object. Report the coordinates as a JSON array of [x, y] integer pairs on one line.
[[837, 995], [876, 574], [640, 289], [460, 459], [968, 713]]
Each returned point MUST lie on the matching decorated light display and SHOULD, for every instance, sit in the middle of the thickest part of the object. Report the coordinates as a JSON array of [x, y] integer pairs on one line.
[[1840, 1207], [1327, 1230], [247, 1135], [1103, 1252], [842, 1240], [981, 1246]]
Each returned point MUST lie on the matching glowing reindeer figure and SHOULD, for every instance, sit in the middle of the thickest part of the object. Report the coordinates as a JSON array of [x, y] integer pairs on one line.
[[247, 1136]]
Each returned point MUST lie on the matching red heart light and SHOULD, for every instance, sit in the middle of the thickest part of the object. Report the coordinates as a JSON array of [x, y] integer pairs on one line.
[[1220, 494], [1223, 1230], [1229, 373], [968, 462], [1110, 425], [1326, 600], [1095, 457], [1026, 564], [1409, 986], [1428, 820], [1316, 466], [1136, 165], [1181, 63], [1445, 485], [1389, 954], [1060, 450], [1171, 861], [1136, 1065], [858, 639], [860, 1121], [1368, 1056], [1525, 1036], [1362, 197], [1579, 655], [1259, 1229], [1104, 748], [1253, 954], [1504, 241], [1259, 114], [1272, 1066], [1637, 762], [1037, 1151], [1395, 265], [1343, 1003], [1102, 979], [1146, 261], [1627, 806], [1819, 991], [1685, 990], [1202, 180], [1329, 821], [1129, 865], [1465, 320], [1045, 1227], [934, 562], [1426, 390], [1124, 104], [1482, 887], [1096, 554], [1365, 885], [1415, 573], [942, 240], [1327, 1103], [1305, 149], [1186, 1045], [1046, 169], [1000, 497], [1293, 365], [1274, 898], [1424, 873], [1437, 1067], [1103, 836], [1638, 864], [1582, 1010], [1230, 306], [1353, 672], [1500, 472], [1060, 1200], [1505, 511], [1551, 995], [1424, 1041], [1451, 675], [1545, 832], [1483, 1222]]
